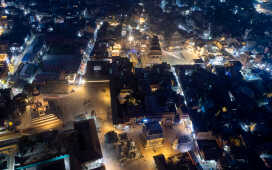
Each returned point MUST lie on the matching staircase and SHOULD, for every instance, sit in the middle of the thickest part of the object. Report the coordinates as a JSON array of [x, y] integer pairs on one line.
[[46, 122]]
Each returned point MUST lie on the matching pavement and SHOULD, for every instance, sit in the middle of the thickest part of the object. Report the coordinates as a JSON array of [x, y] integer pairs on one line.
[[26, 120], [184, 56], [93, 96]]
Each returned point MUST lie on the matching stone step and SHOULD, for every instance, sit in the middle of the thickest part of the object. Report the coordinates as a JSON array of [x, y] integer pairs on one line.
[[45, 117]]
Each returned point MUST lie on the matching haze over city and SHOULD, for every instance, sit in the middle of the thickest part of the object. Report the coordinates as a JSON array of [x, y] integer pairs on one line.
[[135, 84]]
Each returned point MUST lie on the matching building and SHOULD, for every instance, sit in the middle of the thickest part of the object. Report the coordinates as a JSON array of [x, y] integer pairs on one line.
[[175, 162], [56, 163], [155, 53], [52, 86], [143, 93], [184, 141], [77, 148], [87, 152], [6, 103], [160, 162], [34, 150], [97, 70], [3, 67], [210, 152], [175, 42], [153, 135], [114, 51], [63, 57], [7, 153], [28, 72]]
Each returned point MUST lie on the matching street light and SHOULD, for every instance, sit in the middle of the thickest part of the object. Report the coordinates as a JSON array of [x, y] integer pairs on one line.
[[82, 82], [130, 38]]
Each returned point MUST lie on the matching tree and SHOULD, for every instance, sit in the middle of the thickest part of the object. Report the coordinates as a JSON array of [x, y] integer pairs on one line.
[[111, 137]]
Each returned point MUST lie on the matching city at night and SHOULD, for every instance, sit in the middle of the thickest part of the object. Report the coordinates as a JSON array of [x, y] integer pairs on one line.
[[135, 84]]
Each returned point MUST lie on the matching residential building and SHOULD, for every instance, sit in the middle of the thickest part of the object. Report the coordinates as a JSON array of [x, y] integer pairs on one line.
[[153, 135]]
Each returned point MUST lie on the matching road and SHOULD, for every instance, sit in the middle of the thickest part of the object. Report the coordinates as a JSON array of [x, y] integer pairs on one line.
[[87, 52], [29, 46]]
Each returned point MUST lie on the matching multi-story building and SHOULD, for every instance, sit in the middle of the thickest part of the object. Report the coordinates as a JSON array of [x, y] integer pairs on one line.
[[174, 43], [153, 134], [155, 53], [3, 65]]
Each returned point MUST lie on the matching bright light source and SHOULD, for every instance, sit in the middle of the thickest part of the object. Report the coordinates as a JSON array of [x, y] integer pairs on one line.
[[142, 20], [248, 127], [13, 48], [145, 120], [187, 12], [79, 34], [226, 148], [38, 17], [82, 82], [130, 38], [50, 29]]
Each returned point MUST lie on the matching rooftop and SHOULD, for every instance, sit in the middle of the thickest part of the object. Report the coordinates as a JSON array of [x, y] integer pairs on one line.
[[88, 148]]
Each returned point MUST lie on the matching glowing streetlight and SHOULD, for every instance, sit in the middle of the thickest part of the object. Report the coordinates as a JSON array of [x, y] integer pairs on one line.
[[82, 82], [130, 38], [142, 20]]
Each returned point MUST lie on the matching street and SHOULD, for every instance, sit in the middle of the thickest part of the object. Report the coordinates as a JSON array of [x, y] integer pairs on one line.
[[18, 60]]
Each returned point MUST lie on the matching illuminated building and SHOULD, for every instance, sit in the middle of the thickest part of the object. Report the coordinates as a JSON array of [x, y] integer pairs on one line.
[[175, 42], [151, 106], [184, 140], [112, 20], [3, 47], [155, 53], [183, 143], [263, 6], [115, 50], [3, 64], [143, 21], [153, 135]]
